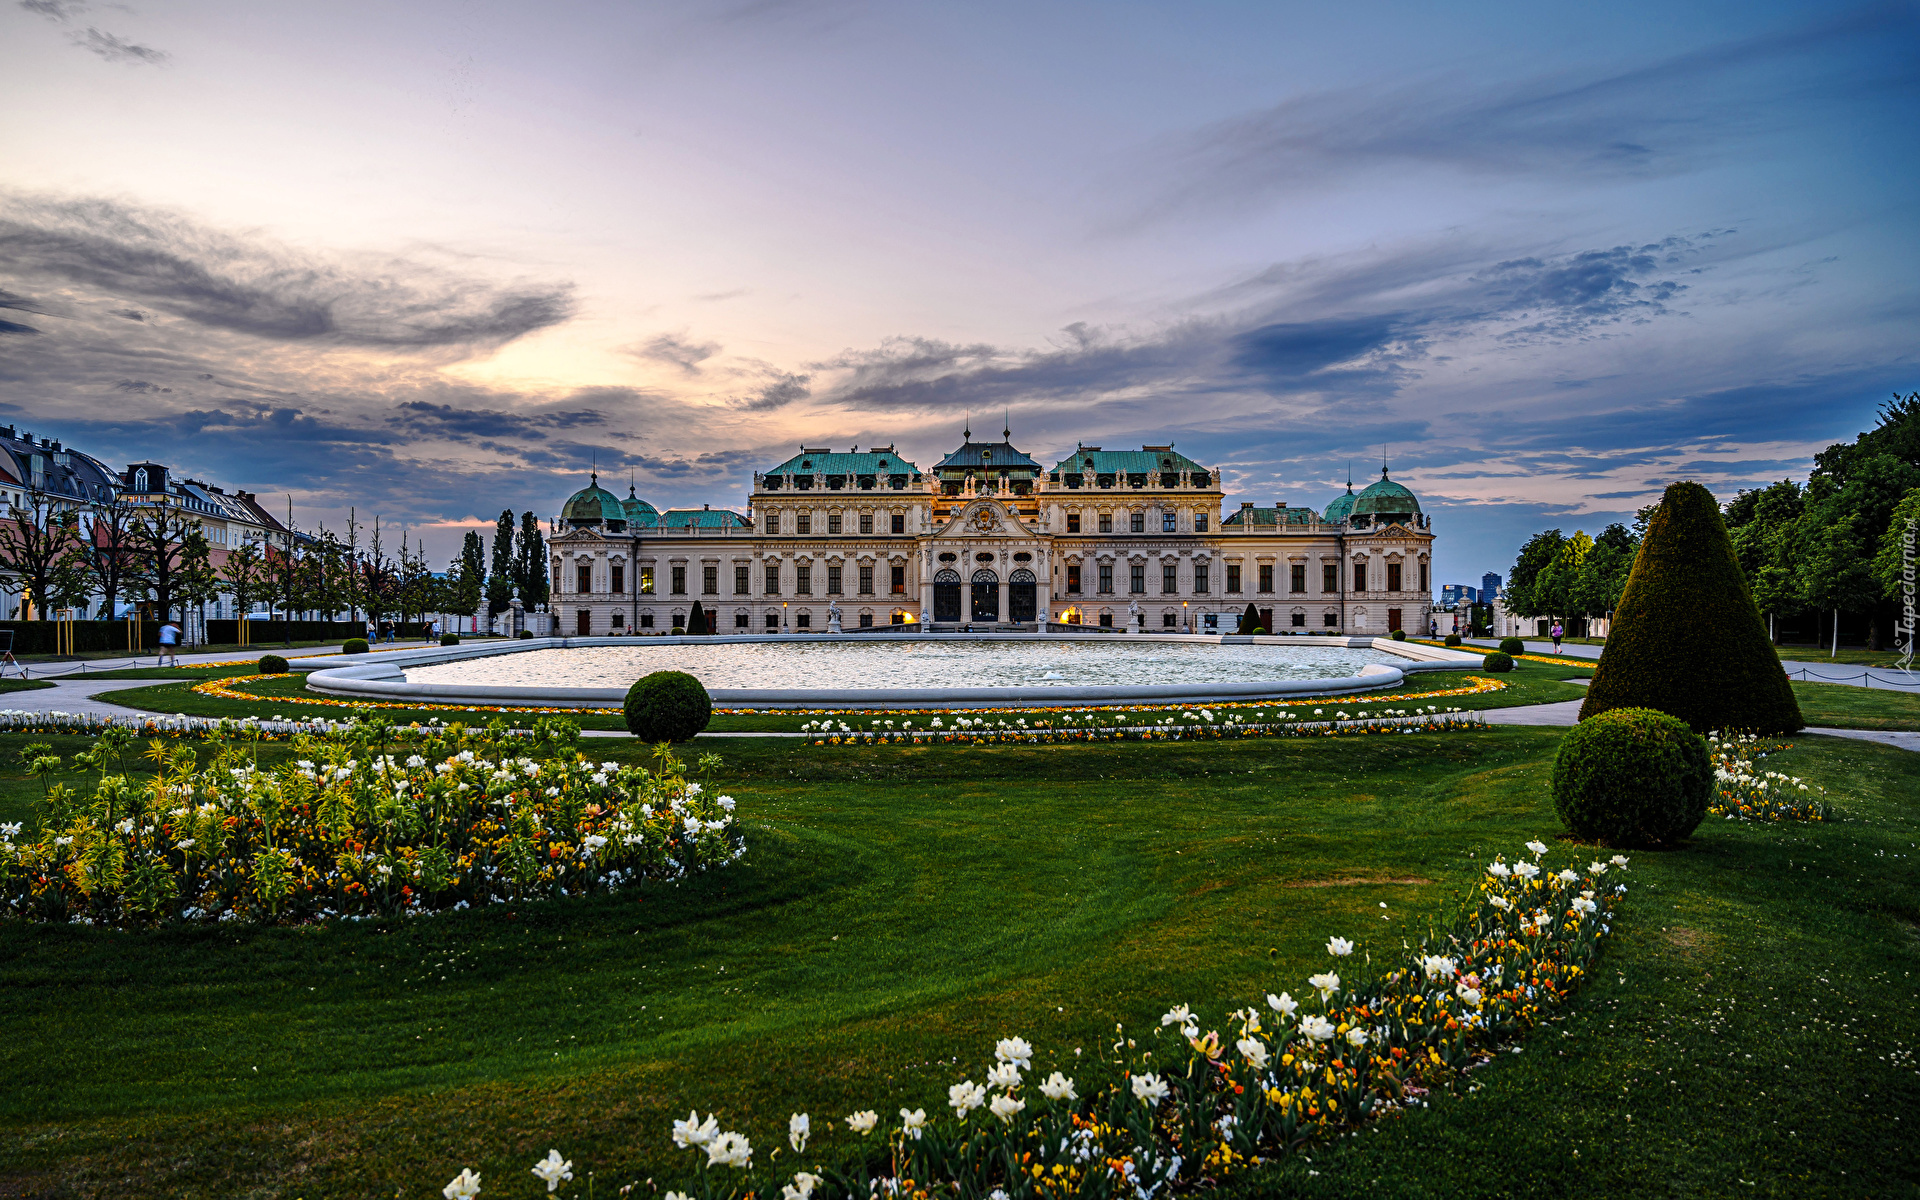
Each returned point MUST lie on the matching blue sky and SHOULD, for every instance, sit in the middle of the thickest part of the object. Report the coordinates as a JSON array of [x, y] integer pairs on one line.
[[432, 260]]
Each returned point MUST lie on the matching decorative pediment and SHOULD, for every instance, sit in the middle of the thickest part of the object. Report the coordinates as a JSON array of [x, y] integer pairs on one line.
[[984, 518]]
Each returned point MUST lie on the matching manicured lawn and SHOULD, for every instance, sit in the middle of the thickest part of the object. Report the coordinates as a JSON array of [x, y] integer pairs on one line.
[[1848, 654], [22, 685], [1840, 706], [1529, 683], [901, 907]]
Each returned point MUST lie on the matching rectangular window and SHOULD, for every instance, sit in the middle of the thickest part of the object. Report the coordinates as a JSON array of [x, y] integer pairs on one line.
[[866, 620], [833, 581], [1329, 577], [1137, 579], [833, 522], [1169, 578], [556, 579], [866, 581], [679, 581], [866, 522], [1424, 585], [1073, 579], [803, 580], [773, 579], [1106, 522], [741, 585], [646, 581], [710, 581], [1359, 577], [773, 522], [1393, 577], [1073, 522], [803, 523], [619, 573], [740, 620], [1106, 579], [899, 522], [1200, 579], [584, 572], [1167, 523], [1106, 620], [1199, 522], [804, 621], [1330, 620], [1299, 620], [1266, 577], [1139, 523], [899, 581], [1297, 577], [1169, 620], [1233, 578], [646, 620]]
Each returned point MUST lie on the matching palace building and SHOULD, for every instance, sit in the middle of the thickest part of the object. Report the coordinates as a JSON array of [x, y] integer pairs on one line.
[[989, 538]]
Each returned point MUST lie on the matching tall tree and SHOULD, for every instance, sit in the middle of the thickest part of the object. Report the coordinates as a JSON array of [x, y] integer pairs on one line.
[[158, 535], [1536, 556], [245, 574], [106, 550], [530, 555], [36, 541], [470, 576], [500, 582], [199, 582]]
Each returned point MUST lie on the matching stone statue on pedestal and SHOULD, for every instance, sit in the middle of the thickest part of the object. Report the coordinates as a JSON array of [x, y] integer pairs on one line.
[[1135, 621], [833, 616]]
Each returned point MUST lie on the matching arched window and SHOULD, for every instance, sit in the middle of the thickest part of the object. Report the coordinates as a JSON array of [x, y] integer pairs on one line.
[[140, 480]]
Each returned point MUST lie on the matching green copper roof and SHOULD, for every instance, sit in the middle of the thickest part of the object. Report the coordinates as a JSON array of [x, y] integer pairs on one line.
[[593, 503], [1272, 516], [703, 518], [1341, 507], [1148, 460], [1384, 497], [826, 462]]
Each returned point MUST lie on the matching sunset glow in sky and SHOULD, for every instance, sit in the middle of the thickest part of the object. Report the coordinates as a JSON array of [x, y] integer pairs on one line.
[[431, 260]]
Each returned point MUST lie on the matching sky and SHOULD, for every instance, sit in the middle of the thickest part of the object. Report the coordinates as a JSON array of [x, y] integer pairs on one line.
[[430, 261]]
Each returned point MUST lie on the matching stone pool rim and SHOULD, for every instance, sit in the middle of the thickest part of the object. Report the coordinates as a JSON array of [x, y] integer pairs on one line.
[[381, 677]]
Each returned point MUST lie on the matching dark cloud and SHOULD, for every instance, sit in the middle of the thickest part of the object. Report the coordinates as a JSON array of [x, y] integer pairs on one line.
[[55, 10], [261, 290], [1660, 118], [117, 49], [130, 314], [461, 424], [675, 350], [16, 327], [784, 389], [140, 385]]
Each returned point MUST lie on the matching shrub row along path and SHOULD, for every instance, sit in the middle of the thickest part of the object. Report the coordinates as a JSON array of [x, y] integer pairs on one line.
[[1851, 674]]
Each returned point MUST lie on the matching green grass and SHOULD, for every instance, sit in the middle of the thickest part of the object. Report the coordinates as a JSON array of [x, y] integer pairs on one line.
[[246, 667], [22, 685], [1859, 656], [1842, 706], [902, 906]]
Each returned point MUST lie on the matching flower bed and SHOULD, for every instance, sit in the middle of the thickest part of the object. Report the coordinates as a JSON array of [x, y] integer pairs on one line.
[[1742, 792], [372, 821], [1175, 1109], [1197, 724]]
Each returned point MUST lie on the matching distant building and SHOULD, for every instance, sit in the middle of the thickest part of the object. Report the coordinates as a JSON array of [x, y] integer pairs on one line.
[[1489, 587], [1453, 595], [992, 538]]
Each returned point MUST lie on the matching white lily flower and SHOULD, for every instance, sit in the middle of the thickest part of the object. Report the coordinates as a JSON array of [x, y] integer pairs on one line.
[[1004, 1075], [465, 1186], [730, 1149], [966, 1096], [1356, 1037], [1499, 870], [553, 1169], [1283, 1004], [1470, 995], [1318, 1028], [1326, 984], [1339, 947], [1149, 1089], [692, 1132], [799, 1129], [1005, 1107], [1538, 848], [1058, 1087], [1254, 1051], [1178, 1015], [1014, 1050], [863, 1121], [913, 1122]]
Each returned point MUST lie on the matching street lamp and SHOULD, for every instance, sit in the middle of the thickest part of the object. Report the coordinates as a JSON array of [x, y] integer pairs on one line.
[[1186, 617]]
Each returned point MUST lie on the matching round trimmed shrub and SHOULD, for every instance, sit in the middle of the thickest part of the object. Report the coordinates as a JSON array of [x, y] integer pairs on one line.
[[272, 664], [354, 646], [667, 706], [1259, 632], [1452, 639], [1497, 661], [1512, 646], [1399, 635], [679, 631], [526, 634], [1632, 777], [449, 639]]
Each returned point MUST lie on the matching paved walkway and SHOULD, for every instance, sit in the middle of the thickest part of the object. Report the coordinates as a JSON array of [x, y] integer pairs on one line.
[[88, 666], [1813, 671]]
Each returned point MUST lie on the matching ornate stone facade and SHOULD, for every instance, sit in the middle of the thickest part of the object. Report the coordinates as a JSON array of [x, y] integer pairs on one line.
[[991, 538]]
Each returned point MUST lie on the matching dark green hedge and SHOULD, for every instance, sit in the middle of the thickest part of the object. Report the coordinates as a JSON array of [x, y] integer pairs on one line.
[[1687, 638], [1632, 777], [260, 633]]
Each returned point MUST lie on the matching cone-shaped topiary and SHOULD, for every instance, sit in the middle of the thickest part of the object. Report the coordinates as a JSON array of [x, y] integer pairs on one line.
[[1632, 777], [1249, 620], [697, 619], [667, 706], [1686, 638]]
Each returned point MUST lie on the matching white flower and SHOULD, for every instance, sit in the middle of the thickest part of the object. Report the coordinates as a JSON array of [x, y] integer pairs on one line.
[[1583, 905], [1500, 902], [1438, 967], [1004, 1075], [1339, 947], [1568, 876], [1318, 1028], [1618, 860], [1499, 870], [1014, 1050], [799, 1129], [1180, 1015], [1005, 1107], [726, 802], [1149, 1089], [1254, 1051], [1470, 995], [863, 1121], [965, 1097], [913, 1123], [553, 1170], [1058, 1087], [1283, 1004], [1538, 848], [10, 828], [730, 1150], [1597, 868], [1356, 1036], [465, 1186], [801, 1187], [691, 1132], [1327, 984], [1525, 870], [693, 789]]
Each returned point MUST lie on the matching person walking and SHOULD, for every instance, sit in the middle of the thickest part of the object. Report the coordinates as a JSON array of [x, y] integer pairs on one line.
[[386, 629], [1558, 631], [373, 634], [169, 643]]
